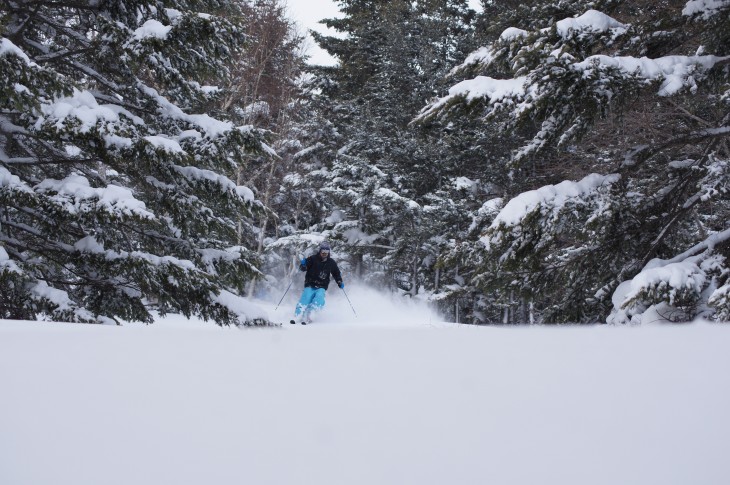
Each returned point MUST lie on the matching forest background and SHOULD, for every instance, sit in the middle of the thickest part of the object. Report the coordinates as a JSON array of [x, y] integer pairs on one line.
[[550, 162]]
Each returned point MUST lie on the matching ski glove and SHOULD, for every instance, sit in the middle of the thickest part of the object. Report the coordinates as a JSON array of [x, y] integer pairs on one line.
[[341, 285]]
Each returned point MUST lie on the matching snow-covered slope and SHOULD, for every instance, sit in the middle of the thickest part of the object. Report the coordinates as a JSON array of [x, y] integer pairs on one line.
[[354, 404]]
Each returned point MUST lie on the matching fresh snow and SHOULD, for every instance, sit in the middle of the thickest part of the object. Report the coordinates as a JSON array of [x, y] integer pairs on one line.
[[7, 264], [245, 193], [494, 90], [89, 244], [685, 275], [554, 195], [211, 126], [465, 183], [510, 33], [166, 144], [83, 106], [11, 181], [707, 8], [675, 71], [592, 20], [7, 47], [76, 195], [173, 14], [387, 398], [226, 184], [152, 28]]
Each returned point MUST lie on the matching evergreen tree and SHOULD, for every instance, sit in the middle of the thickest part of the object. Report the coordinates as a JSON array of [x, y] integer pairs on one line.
[[633, 151], [116, 187], [391, 61]]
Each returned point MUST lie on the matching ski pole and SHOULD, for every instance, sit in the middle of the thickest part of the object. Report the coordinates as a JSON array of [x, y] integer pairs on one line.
[[348, 301], [287, 291], [282, 296]]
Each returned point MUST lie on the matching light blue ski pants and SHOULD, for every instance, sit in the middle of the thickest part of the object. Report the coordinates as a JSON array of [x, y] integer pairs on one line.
[[312, 300]]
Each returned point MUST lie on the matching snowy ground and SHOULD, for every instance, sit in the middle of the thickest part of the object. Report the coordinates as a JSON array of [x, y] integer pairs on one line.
[[402, 400]]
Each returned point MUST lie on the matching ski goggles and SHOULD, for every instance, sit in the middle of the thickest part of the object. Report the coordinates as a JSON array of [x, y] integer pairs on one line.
[[324, 251]]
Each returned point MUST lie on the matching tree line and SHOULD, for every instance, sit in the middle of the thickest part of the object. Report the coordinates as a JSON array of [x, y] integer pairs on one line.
[[550, 162]]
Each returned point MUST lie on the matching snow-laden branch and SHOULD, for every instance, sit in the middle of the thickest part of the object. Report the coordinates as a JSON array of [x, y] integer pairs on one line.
[[82, 106], [8, 48], [211, 126], [675, 72], [705, 8], [521, 93], [75, 195], [549, 197], [679, 281]]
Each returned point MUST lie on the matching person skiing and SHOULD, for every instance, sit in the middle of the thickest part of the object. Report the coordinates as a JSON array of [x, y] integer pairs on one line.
[[319, 267]]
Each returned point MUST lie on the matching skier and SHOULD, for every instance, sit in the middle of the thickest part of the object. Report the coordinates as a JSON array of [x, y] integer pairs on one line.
[[318, 267]]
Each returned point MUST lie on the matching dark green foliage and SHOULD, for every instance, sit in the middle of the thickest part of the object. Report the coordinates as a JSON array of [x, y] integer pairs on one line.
[[115, 187], [577, 109]]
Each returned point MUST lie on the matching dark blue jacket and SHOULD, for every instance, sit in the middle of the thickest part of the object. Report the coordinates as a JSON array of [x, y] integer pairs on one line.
[[319, 271]]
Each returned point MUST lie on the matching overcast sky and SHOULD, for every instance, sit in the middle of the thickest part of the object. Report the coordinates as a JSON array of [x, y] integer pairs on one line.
[[308, 12]]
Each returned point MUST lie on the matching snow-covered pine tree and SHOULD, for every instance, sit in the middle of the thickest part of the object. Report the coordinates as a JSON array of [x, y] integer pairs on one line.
[[632, 109], [115, 184], [390, 62]]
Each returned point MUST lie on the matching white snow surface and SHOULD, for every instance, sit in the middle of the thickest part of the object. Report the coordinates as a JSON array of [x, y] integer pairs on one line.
[[389, 397]]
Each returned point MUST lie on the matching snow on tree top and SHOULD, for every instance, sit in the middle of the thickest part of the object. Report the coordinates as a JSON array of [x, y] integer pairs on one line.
[[117, 141], [483, 55], [676, 72], [173, 14], [194, 173]]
